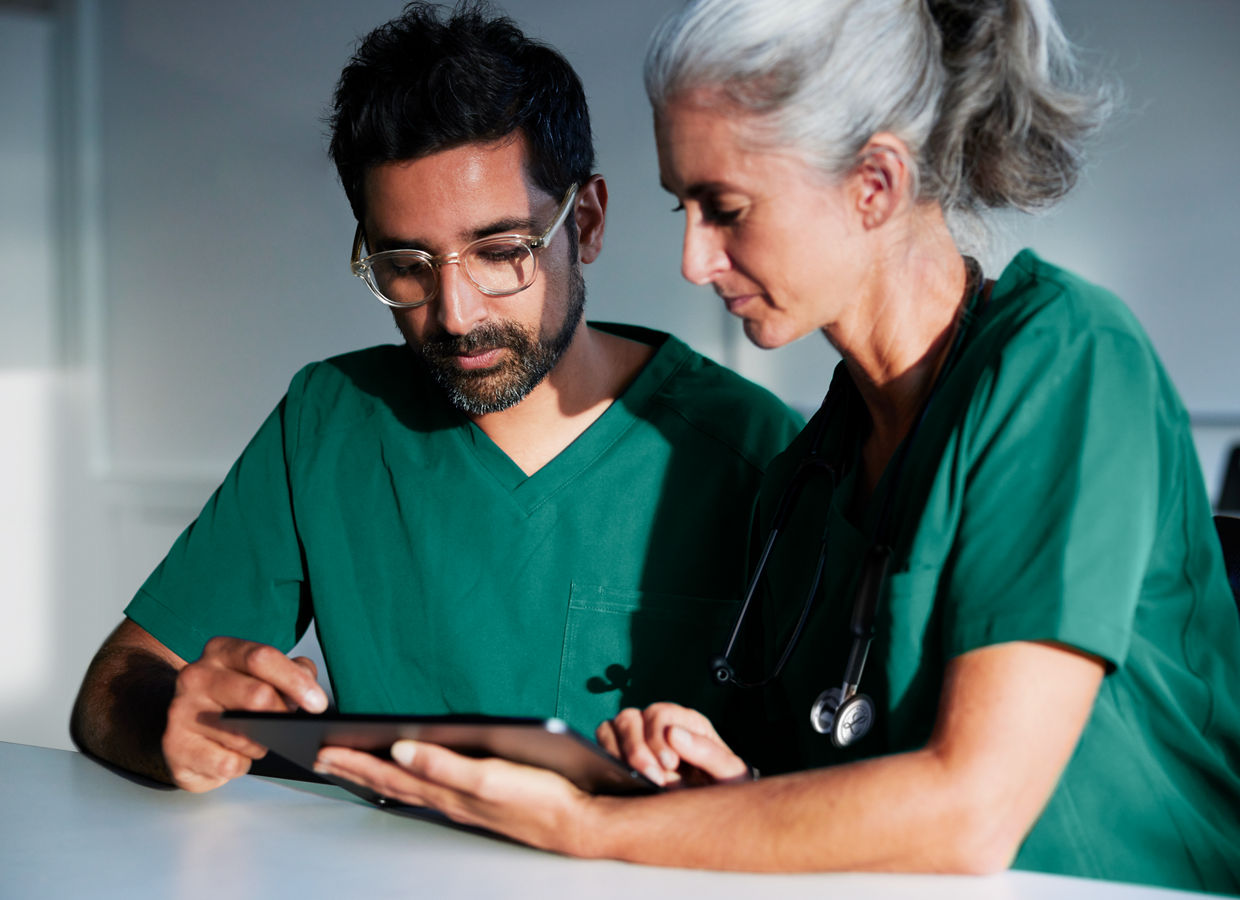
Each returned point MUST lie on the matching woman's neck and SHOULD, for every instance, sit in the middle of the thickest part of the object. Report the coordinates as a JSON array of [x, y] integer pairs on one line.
[[898, 340]]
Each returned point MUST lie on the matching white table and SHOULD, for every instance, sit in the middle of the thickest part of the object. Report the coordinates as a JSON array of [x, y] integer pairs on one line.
[[70, 827]]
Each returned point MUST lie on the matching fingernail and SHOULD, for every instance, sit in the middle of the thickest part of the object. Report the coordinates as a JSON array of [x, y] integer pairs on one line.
[[314, 700], [403, 752], [669, 759], [655, 774]]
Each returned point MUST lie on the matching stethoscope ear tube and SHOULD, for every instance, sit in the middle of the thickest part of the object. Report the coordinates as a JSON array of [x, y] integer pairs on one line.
[[869, 590], [721, 669]]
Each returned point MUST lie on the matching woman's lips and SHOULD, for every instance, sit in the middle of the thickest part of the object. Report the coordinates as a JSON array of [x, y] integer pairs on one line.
[[736, 301]]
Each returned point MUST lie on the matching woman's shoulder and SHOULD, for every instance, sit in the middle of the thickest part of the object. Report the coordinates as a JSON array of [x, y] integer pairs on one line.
[[1049, 340], [1034, 295]]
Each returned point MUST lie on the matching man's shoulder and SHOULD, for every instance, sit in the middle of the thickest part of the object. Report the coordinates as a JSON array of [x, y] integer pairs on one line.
[[372, 371], [713, 400], [342, 390], [364, 365]]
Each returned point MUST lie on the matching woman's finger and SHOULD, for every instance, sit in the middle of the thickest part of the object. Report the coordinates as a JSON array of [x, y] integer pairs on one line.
[[708, 754], [628, 730]]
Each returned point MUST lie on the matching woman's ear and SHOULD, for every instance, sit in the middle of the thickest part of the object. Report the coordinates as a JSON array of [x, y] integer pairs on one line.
[[882, 179], [590, 214]]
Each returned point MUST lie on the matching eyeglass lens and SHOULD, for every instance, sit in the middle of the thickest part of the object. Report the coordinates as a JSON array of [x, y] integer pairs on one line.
[[499, 266]]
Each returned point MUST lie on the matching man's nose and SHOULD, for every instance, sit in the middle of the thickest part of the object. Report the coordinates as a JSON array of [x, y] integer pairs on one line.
[[461, 305]]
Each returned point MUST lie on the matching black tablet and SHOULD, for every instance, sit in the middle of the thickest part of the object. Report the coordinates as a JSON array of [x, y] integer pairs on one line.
[[548, 743]]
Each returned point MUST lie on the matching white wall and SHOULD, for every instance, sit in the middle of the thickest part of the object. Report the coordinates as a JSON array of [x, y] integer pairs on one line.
[[28, 358], [201, 241]]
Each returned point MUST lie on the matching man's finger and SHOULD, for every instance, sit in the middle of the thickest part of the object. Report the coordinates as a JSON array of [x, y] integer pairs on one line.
[[297, 683], [196, 763]]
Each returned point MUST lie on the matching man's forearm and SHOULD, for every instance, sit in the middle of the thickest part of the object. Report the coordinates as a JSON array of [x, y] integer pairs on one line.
[[122, 709]]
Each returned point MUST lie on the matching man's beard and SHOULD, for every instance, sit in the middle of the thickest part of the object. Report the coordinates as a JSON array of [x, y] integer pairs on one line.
[[531, 357]]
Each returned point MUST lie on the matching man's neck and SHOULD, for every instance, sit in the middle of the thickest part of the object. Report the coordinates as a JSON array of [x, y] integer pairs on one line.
[[594, 370]]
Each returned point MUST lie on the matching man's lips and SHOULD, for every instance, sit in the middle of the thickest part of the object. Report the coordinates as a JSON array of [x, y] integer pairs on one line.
[[478, 359]]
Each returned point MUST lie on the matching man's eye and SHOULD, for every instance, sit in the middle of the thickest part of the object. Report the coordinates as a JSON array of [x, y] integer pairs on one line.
[[405, 267], [501, 254]]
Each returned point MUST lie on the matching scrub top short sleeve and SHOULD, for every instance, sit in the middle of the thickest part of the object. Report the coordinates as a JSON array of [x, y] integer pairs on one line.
[[1054, 535], [240, 560]]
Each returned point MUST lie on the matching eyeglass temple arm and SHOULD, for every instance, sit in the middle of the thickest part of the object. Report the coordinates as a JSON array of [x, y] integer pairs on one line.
[[566, 206], [359, 237]]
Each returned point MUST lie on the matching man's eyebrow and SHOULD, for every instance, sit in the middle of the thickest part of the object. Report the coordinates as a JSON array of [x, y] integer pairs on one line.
[[511, 225], [382, 245]]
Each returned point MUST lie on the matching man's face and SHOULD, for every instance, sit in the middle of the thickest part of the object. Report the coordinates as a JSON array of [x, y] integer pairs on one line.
[[486, 352]]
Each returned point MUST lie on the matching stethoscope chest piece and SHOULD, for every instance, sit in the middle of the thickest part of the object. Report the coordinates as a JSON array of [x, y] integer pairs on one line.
[[846, 723]]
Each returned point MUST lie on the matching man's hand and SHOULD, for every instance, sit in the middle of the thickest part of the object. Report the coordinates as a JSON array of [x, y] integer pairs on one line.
[[672, 746], [231, 674]]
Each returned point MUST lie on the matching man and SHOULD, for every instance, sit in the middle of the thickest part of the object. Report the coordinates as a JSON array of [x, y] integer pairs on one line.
[[516, 513]]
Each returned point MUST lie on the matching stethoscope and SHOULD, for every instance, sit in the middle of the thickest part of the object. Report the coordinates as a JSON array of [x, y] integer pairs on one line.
[[843, 713]]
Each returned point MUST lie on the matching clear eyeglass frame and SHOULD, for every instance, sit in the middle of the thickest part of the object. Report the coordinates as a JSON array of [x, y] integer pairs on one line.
[[364, 267]]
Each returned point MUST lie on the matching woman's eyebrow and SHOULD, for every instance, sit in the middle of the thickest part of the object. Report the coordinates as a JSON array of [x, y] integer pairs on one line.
[[698, 190]]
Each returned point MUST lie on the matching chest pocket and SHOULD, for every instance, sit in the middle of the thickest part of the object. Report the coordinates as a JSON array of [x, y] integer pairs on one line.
[[633, 648]]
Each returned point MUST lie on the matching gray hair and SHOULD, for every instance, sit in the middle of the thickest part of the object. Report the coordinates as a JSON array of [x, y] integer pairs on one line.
[[985, 93]]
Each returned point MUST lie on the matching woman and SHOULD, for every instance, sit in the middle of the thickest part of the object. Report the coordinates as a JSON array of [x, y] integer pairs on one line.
[[1001, 475]]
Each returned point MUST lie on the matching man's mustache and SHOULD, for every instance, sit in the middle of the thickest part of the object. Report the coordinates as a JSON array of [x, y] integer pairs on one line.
[[481, 339]]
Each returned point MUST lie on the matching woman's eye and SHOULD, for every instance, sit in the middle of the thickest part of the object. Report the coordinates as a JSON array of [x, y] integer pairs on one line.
[[718, 216], [712, 213]]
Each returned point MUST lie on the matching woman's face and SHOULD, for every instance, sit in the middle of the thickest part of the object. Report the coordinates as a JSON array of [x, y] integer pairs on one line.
[[774, 237]]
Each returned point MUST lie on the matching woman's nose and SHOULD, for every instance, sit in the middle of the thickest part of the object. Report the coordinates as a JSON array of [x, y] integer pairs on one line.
[[703, 257]]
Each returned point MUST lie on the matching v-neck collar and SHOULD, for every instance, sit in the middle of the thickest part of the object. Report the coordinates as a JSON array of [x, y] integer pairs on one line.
[[530, 491]]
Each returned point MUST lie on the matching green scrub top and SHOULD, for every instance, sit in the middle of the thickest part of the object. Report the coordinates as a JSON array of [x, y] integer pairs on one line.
[[442, 579], [1052, 493]]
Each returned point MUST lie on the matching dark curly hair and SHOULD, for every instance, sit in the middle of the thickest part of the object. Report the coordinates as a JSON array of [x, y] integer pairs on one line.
[[429, 81]]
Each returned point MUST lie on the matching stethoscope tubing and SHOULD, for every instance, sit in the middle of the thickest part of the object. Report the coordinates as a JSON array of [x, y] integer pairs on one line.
[[874, 568]]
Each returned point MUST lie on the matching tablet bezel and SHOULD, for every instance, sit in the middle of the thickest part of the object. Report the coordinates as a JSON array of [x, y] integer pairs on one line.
[[548, 743]]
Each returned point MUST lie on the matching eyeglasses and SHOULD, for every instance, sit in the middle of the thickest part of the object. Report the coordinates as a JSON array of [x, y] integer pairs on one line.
[[498, 265]]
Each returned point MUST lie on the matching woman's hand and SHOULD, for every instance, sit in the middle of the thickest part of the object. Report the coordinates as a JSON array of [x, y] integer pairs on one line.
[[672, 746], [533, 805]]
